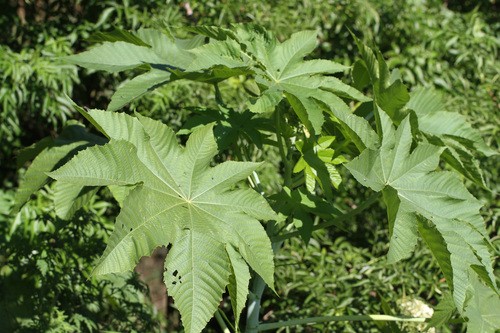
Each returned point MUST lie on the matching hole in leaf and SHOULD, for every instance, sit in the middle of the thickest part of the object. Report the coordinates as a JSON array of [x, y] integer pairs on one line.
[[174, 282], [175, 273]]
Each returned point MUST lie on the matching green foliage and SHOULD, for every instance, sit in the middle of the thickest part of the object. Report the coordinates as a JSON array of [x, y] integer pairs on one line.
[[32, 91], [45, 273], [412, 189], [315, 129], [178, 200], [334, 276]]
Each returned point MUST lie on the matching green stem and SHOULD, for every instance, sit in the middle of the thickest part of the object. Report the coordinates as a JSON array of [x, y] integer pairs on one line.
[[255, 297], [221, 322], [312, 320], [340, 218]]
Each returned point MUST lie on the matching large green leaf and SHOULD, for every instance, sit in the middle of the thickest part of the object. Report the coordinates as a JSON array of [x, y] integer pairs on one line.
[[446, 129], [412, 188], [283, 74], [180, 200]]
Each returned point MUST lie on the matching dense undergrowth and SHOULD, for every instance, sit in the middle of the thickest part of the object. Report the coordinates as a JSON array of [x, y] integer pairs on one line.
[[341, 271]]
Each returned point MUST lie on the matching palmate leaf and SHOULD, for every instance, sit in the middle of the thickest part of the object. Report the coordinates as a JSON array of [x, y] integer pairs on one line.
[[180, 200], [446, 129], [283, 74], [433, 203], [278, 68]]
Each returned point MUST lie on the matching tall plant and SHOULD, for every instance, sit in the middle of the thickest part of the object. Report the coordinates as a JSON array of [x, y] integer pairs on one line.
[[175, 195]]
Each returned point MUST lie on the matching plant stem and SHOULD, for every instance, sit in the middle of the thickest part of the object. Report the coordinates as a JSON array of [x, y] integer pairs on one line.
[[255, 297], [340, 218], [312, 320], [221, 322]]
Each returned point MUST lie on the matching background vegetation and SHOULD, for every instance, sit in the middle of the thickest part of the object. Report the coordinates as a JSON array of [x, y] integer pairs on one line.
[[45, 262]]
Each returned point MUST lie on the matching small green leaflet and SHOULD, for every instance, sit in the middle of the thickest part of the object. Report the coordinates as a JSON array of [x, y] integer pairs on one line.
[[178, 199], [434, 204], [318, 164]]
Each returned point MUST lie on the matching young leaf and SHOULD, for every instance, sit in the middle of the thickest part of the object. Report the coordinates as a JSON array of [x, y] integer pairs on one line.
[[390, 93], [443, 311], [413, 188], [318, 164], [180, 200]]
